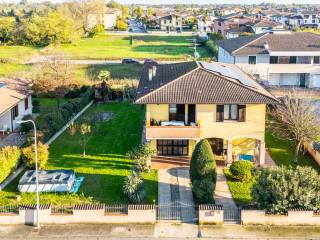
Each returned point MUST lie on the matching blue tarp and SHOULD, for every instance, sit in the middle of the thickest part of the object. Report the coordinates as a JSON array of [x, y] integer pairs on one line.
[[76, 185]]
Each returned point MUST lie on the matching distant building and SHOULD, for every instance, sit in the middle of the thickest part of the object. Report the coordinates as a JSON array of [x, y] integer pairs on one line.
[[278, 59], [171, 23], [108, 19]]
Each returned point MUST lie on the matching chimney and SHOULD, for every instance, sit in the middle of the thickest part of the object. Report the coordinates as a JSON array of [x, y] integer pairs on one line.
[[266, 46], [154, 71], [150, 74]]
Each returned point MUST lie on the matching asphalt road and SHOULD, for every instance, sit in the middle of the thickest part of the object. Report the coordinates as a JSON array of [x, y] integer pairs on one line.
[[159, 231]]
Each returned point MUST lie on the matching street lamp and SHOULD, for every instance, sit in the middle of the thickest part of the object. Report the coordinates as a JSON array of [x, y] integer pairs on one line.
[[36, 160]]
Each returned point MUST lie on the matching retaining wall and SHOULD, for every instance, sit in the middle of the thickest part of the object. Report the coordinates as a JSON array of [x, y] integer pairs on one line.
[[294, 217], [27, 215]]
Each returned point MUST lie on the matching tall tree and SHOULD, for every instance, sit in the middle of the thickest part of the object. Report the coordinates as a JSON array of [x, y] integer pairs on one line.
[[7, 25], [296, 121], [138, 12]]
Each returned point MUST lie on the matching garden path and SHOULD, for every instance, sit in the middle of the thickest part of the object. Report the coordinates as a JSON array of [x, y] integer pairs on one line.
[[223, 195]]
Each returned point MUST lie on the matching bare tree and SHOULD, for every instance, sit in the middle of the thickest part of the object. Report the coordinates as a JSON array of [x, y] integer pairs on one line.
[[296, 121]]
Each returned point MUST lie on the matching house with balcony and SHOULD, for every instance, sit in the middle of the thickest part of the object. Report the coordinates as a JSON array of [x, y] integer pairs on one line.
[[15, 103], [171, 23], [189, 101], [276, 59]]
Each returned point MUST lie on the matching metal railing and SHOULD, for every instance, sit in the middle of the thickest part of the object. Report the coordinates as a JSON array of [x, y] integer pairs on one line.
[[62, 210], [9, 209], [116, 209]]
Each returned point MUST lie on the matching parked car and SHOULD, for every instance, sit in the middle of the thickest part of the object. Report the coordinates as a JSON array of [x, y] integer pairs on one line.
[[150, 61], [130, 61]]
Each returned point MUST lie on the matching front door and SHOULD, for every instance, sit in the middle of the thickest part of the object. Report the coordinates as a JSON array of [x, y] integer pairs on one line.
[[169, 147]]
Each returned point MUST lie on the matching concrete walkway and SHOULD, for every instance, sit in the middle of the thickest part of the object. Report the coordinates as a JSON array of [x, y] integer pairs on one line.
[[223, 195]]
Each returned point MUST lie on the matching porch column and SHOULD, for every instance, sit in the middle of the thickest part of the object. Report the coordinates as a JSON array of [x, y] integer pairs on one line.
[[229, 152], [262, 152]]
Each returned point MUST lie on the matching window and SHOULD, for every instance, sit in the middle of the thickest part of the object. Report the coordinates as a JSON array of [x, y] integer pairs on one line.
[[316, 60], [304, 60], [219, 23], [231, 112], [177, 112], [172, 147], [15, 112], [293, 60], [26, 103], [273, 59], [252, 59], [313, 21], [284, 60]]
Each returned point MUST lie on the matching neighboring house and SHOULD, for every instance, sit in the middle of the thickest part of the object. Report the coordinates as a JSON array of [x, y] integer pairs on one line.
[[189, 101], [265, 26], [295, 21], [231, 21], [171, 23], [15, 102], [237, 32], [205, 24], [277, 59], [310, 19], [108, 19]]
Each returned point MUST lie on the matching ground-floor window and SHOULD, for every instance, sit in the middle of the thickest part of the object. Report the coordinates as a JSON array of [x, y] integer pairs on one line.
[[170, 147]]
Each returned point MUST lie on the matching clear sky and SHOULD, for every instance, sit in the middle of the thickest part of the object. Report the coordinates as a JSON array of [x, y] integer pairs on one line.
[[197, 1]]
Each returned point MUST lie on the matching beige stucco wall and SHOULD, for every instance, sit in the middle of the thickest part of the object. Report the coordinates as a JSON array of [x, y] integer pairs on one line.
[[253, 127], [160, 112]]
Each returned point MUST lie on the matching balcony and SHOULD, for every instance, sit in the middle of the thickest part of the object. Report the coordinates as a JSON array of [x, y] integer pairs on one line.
[[167, 131]]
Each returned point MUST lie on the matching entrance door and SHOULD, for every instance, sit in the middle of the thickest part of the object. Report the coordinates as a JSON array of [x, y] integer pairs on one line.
[[302, 80], [217, 146], [191, 113], [172, 147]]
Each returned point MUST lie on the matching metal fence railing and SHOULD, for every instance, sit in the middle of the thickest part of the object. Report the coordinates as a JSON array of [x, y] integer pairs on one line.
[[62, 210], [116, 209], [9, 209]]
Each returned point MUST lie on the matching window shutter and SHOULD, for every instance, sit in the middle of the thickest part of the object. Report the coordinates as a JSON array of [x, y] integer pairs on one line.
[[219, 113], [242, 113]]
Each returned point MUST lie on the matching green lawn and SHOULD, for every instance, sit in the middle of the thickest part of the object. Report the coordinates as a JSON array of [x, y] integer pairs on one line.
[[117, 71], [105, 165], [282, 152], [17, 53], [13, 69], [117, 47], [241, 191]]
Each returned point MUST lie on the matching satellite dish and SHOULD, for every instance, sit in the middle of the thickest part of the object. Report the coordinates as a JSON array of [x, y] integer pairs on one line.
[[196, 55]]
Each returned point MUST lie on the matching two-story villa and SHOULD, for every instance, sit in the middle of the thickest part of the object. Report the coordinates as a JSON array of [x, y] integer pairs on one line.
[[189, 101], [277, 59]]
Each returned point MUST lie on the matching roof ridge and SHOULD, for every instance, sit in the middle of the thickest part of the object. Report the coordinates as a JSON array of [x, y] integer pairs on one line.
[[235, 81], [174, 80], [262, 35]]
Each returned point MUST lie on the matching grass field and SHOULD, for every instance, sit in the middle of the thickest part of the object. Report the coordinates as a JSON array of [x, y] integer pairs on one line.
[[13, 69], [282, 153], [117, 47], [105, 165]]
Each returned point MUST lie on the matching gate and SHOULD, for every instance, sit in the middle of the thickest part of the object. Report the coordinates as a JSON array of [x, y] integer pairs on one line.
[[177, 211], [232, 215]]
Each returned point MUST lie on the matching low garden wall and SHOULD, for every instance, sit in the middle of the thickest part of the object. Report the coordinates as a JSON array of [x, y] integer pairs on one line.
[[210, 214], [80, 214], [294, 217]]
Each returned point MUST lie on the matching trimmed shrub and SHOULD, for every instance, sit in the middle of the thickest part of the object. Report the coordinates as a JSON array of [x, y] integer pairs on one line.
[[202, 163], [142, 157], [241, 170], [203, 172], [29, 158], [279, 189], [212, 47], [9, 161], [133, 188]]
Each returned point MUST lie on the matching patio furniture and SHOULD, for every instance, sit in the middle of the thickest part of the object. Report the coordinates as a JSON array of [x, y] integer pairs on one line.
[[4, 129], [172, 123], [246, 157]]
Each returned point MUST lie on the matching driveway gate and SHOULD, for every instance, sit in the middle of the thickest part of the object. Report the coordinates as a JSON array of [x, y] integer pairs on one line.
[[177, 211]]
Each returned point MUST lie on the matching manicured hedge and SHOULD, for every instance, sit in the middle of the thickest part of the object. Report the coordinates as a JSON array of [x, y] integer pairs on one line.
[[203, 172], [9, 161], [241, 170]]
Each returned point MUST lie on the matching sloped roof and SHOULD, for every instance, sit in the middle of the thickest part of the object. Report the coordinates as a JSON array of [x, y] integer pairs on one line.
[[12, 91], [291, 42], [196, 85]]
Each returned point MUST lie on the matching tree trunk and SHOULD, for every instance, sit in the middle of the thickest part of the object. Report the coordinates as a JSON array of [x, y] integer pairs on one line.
[[296, 153], [84, 152]]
